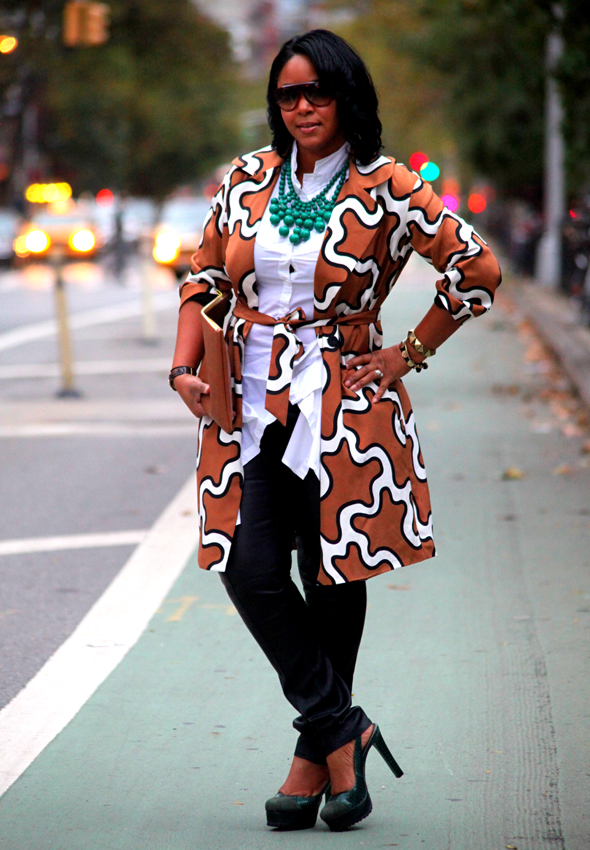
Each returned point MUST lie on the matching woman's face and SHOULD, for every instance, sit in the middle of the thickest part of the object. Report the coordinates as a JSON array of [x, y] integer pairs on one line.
[[314, 128]]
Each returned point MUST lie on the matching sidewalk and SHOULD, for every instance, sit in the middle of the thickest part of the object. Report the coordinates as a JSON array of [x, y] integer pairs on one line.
[[475, 664], [554, 318]]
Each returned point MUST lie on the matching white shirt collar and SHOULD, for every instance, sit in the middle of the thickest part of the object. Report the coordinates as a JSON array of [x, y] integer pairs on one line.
[[324, 169]]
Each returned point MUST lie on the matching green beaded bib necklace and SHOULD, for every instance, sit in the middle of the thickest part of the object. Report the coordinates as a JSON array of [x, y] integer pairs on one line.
[[303, 216]]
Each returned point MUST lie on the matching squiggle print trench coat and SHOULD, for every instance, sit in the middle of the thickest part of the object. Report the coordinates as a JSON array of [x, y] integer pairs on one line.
[[375, 505]]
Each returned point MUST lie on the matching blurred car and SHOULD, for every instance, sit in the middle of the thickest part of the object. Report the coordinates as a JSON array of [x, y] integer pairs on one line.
[[139, 215], [178, 232], [62, 228], [9, 221]]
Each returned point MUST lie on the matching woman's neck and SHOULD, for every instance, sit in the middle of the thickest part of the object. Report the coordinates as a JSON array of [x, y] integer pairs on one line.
[[306, 159]]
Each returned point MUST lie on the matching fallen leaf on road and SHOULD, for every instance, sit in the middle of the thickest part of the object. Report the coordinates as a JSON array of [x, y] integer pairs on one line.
[[564, 469], [511, 847], [238, 804], [586, 448], [571, 430], [513, 473]]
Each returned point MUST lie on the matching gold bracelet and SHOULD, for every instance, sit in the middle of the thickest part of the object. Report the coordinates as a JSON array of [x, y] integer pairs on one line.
[[413, 340], [407, 357]]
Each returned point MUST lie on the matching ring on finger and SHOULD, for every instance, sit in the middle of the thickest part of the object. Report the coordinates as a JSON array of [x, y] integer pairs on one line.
[[379, 373]]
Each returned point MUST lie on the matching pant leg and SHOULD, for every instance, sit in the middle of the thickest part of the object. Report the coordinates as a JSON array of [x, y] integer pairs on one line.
[[337, 611], [258, 581]]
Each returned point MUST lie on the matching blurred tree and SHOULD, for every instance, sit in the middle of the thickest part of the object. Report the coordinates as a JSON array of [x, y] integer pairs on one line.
[[574, 75], [411, 93], [471, 74], [147, 111]]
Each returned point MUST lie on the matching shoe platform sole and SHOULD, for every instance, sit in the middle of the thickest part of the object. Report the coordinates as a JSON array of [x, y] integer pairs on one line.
[[290, 820], [348, 819]]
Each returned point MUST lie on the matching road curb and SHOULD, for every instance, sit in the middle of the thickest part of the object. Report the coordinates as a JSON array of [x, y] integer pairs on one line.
[[555, 320]]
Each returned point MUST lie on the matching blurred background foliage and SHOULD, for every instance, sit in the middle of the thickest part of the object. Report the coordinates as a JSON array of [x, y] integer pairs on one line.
[[152, 108], [465, 79], [163, 101]]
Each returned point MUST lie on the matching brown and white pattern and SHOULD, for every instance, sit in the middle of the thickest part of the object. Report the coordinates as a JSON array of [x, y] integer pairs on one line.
[[375, 505]]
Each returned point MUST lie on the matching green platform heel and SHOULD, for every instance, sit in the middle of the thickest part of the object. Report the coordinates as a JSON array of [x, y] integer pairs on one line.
[[286, 812], [349, 807]]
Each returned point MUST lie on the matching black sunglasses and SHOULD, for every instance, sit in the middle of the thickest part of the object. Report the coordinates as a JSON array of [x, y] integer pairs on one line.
[[287, 97]]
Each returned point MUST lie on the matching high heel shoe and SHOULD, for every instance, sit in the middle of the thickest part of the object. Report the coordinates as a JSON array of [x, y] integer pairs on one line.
[[349, 807], [286, 812]]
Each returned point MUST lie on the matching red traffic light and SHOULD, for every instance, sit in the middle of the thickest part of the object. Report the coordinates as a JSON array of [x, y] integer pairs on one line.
[[104, 198], [417, 160], [476, 203]]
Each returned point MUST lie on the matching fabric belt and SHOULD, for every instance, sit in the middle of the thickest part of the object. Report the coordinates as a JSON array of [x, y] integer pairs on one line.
[[287, 347]]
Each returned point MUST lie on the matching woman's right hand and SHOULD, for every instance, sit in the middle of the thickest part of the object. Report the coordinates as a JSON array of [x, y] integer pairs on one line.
[[190, 388]]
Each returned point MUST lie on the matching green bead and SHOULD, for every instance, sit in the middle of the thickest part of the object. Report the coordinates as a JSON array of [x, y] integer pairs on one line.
[[294, 239], [298, 222], [319, 225], [289, 220], [275, 220], [327, 215], [308, 223], [304, 234], [284, 231]]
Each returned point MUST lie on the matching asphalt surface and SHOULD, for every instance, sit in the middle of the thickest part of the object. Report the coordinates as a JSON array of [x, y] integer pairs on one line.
[[69, 484], [474, 664]]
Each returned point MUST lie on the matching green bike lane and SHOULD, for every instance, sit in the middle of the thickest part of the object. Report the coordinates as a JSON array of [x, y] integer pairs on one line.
[[475, 664]]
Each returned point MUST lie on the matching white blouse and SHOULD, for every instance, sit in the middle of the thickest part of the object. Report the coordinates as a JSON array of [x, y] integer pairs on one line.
[[285, 277]]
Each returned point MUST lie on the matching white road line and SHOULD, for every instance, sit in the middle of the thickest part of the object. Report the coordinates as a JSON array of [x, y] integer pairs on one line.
[[97, 429], [71, 541], [112, 626], [98, 316], [85, 367]]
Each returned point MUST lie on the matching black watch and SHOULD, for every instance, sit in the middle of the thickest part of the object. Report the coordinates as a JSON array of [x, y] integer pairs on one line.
[[180, 370]]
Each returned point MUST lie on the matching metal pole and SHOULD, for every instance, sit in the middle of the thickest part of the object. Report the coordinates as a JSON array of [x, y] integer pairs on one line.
[[148, 322], [68, 390], [549, 252]]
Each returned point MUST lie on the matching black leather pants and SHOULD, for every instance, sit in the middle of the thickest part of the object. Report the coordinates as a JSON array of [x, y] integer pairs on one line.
[[312, 643]]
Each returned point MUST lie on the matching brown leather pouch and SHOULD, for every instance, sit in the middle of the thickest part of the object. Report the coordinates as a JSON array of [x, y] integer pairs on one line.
[[215, 368]]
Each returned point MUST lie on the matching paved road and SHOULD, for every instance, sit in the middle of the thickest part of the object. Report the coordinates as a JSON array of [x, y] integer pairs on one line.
[[474, 664], [108, 462]]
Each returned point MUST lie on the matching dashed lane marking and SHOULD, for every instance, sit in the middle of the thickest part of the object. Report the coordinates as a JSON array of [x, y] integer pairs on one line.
[[72, 541], [112, 626]]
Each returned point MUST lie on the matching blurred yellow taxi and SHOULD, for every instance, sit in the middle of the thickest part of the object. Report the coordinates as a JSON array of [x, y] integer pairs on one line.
[[58, 228], [178, 232]]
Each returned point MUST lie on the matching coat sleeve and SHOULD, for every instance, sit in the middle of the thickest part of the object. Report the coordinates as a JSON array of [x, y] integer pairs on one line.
[[208, 274], [471, 273]]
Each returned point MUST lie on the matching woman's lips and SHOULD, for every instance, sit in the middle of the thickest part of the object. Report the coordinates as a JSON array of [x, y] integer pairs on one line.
[[307, 128]]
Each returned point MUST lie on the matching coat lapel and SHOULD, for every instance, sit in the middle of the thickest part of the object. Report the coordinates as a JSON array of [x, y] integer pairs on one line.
[[248, 199], [352, 226]]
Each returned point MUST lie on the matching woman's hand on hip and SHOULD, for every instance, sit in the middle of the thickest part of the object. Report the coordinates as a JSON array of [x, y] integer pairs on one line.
[[360, 370], [190, 388]]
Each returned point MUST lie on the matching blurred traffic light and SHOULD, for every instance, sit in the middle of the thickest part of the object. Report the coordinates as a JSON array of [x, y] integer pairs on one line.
[[451, 202], [476, 203], [8, 43], [104, 198], [85, 24], [429, 171], [417, 160]]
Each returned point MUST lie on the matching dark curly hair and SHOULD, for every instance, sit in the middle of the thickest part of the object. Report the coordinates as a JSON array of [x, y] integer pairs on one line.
[[342, 71]]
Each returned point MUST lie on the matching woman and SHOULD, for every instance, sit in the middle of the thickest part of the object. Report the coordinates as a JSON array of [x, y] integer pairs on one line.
[[307, 238]]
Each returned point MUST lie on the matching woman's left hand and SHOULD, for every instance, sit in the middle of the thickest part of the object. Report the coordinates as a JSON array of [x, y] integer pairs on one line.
[[388, 361]]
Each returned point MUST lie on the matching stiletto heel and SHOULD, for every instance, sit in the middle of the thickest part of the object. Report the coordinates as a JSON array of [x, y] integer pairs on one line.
[[286, 812], [349, 807], [385, 753]]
